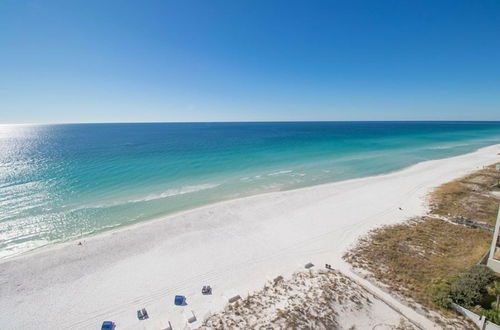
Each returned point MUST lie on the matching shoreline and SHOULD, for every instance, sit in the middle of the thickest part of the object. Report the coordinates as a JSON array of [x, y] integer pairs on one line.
[[234, 245], [61, 244]]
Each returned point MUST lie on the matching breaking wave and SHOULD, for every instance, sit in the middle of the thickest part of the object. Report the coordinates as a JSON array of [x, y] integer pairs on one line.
[[166, 194]]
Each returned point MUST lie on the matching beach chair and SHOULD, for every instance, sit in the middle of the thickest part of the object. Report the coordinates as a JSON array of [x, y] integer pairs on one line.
[[206, 290], [145, 313], [140, 316], [180, 300], [108, 325]]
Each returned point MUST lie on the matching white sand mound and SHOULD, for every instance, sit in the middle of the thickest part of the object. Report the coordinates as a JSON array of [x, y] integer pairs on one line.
[[309, 300]]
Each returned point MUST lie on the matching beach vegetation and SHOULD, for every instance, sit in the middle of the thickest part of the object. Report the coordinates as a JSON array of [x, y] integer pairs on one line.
[[494, 290], [492, 315], [432, 260], [313, 299], [441, 293], [469, 197], [470, 287], [420, 258], [490, 303]]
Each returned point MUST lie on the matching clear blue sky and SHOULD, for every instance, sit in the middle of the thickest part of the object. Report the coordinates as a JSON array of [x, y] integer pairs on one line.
[[210, 60]]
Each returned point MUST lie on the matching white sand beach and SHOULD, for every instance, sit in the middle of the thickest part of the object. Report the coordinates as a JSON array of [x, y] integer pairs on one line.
[[234, 246]]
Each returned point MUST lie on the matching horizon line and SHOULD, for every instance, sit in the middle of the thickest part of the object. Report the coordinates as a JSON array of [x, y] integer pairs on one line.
[[249, 121]]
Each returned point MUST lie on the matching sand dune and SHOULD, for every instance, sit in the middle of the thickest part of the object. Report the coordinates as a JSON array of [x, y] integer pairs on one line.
[[234, 246], [314, 299]]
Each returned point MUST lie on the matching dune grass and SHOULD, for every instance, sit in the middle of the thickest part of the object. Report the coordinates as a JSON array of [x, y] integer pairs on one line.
[[469, 197], [413, 257], [314, 299]]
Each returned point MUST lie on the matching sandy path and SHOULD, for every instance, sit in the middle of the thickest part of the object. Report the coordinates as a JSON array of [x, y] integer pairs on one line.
[[234, 246]]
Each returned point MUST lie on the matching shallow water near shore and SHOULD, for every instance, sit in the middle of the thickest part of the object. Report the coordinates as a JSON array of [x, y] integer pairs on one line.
[[60, 182]]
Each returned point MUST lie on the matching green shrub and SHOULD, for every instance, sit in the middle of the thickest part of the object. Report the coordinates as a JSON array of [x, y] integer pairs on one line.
[[441, 293], [494, 290], [492, 315], [471, 285]]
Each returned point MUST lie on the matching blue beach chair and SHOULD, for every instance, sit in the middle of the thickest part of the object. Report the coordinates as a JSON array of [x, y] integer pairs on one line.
[[180, 300], [108, 325]]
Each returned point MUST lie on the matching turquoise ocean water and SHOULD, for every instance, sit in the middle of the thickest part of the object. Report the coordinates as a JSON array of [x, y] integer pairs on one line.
[[60, 182]]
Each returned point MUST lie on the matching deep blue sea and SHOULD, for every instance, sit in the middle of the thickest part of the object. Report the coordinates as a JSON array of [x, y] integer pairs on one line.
[[60, 182]]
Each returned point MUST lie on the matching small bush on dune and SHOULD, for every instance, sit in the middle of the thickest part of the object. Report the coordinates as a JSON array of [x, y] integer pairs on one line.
[[441, 293], [470, 287], [492, 315], [494, 290]]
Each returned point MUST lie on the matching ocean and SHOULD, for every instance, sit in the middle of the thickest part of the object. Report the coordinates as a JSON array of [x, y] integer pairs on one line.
[[63, 182]]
